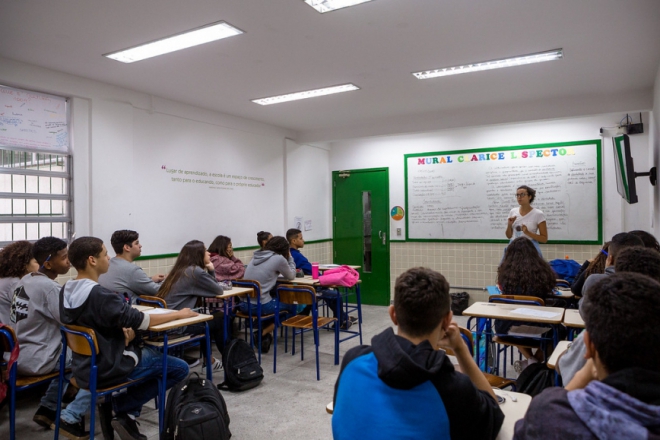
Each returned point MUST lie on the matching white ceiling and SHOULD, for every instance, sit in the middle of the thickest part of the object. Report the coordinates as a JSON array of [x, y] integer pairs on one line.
[[610, 47]]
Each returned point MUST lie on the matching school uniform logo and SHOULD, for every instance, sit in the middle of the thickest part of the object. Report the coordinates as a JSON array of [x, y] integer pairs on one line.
[[19, 305]]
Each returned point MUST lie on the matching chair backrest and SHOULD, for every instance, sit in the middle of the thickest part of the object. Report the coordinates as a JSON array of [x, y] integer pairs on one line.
[[8, 338], [467, 337], [516, 299], [81, 340], [253, 284], [152, 301], [289, 294]]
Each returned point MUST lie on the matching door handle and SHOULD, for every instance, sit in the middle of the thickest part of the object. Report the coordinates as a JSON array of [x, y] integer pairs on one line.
[[384, 237]]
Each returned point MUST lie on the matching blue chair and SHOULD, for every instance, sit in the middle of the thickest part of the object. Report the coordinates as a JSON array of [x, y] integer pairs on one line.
[[518, 300], [254, 311], [152, 301], [16, 383], [289, 294], [82, 341]]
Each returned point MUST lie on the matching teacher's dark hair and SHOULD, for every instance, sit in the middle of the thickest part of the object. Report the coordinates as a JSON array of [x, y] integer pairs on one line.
[[524, 272], [530, 191]]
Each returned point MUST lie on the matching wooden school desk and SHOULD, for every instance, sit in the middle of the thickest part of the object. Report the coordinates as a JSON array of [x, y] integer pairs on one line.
[[573, 321], [559, 350], [505, 311], [227, 295], [170, 326]]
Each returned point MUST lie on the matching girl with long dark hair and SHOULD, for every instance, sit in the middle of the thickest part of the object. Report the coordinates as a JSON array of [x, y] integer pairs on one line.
[[524, 272], [191, 278]]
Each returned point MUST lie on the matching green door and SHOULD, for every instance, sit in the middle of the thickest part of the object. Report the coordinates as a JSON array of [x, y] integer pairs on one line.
[[360, 200]]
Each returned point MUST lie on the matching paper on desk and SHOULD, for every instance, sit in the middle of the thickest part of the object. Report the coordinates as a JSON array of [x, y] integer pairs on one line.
[[528, 331], [533, 312], [157, 311]]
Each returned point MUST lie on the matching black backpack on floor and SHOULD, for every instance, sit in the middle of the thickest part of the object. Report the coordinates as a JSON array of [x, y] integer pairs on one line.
[[534, 379], [196, 410], [242, 370]]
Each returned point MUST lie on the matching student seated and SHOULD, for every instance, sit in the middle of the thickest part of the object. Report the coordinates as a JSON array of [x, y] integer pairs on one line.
[[192, 279], [86, 303], [16, 260], [619, 242], [226, 265], [616, 395], [648, 239], [35, 316], [124, 276], [636, 259], [263, 237], [524, 272], [589, 267], [266, 266], [402, 386], [331, 296]]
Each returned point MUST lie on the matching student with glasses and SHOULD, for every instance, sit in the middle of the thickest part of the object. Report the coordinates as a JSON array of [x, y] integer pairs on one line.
[[526, 221]]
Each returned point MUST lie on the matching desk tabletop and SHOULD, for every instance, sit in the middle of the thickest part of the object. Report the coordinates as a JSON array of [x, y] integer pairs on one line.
[[561, 347], [141, 308], [513, 411], [180, 323], [572, 318], [563, 294], [504, 311], [235, 291], [307, 280]]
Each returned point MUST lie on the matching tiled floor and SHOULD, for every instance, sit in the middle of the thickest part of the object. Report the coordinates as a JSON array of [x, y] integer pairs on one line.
[[291, 402]]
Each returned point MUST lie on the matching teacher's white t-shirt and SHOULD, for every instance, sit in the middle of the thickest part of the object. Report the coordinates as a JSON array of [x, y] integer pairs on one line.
[[531, 220]]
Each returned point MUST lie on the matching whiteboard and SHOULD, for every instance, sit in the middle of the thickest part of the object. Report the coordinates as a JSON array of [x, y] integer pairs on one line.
[[33, 120], [466, 195]]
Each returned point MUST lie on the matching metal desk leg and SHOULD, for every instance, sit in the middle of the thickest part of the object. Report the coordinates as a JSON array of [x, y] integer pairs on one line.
[[209, 370], [163, 389]]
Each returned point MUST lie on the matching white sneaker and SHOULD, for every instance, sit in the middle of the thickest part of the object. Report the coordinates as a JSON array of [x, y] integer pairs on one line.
[[215, 366]]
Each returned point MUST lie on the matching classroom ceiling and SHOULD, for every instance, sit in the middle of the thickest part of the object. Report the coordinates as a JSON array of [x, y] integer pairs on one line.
[[610, 47]]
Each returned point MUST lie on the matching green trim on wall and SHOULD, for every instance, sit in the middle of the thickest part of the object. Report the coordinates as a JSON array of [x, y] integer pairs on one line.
[[156, 257], [599, 173]]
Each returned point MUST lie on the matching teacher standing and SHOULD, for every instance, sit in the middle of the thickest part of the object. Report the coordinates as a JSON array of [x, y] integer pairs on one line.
[[526, 221]]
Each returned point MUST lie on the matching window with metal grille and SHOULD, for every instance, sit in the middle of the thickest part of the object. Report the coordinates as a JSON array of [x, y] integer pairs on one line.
[[35, 195]]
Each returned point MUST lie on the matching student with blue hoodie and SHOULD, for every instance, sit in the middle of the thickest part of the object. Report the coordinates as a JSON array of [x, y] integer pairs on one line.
[[616, 395], [86, 303], [266, 266]]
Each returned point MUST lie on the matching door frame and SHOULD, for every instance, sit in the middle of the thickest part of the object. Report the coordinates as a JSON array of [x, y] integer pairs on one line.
[[387, 194]]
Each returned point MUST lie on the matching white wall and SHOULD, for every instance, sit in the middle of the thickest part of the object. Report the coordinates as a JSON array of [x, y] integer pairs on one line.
[[388, 152], [108, 150], [654, 129], [308, 188]]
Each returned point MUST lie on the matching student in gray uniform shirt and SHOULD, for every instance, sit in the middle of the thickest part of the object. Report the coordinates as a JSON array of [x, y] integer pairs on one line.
[[35, 316], [192, 278], [124, 276], [16, 260]]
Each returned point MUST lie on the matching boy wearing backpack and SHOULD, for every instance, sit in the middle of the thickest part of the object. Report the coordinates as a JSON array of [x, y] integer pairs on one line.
[[402, 386], [84, 302], [616, 395]]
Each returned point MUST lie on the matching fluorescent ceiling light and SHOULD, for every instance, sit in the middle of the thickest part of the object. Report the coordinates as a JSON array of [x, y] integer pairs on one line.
[[308, 94], [494, 64], [195, 37], [332, 5]]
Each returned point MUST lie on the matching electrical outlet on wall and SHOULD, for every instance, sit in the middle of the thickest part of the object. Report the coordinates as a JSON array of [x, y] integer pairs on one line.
[[398, 232]]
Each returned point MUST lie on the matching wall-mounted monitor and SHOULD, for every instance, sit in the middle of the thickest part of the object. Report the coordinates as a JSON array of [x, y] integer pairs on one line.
[[625, 169]]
